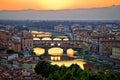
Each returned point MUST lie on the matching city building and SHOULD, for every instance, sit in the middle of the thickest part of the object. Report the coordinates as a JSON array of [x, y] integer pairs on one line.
[[116, 29], [26, 40], [9, 41], [105, 46], [97, 38], [37, 34], [101, 29], [60, 28], [116, 52], [81, 32], [4, 38], [16, 44], [117, 37]]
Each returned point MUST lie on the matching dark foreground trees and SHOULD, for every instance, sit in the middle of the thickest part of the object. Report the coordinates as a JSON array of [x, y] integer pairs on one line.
[[74, 72]]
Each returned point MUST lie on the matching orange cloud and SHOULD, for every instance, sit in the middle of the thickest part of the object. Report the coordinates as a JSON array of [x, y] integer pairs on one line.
[[54, 4]]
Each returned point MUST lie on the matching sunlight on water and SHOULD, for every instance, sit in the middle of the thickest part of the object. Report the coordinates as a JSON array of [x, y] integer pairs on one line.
[[35, 32], [56, 54], [70, 52], [44, 35], [66, 39], [46, 39], [56, 51], [39, 51], [55, 58], [34, 35], [36, 39], [57, 39], [58, 44], [41, 34], [52, 44], [70, 62]]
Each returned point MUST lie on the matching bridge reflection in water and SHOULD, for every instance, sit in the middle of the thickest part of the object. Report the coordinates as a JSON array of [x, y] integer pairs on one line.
[[55, 52], [56, 47], [80, 62]]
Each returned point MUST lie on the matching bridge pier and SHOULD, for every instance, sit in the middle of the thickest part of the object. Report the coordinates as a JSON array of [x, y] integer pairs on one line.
[[46, 51], [65, 51]]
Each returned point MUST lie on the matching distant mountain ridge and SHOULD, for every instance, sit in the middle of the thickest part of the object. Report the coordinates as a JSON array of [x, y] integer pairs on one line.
[[105, 13]]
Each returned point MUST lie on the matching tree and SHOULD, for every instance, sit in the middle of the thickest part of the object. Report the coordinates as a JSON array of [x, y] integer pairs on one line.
[[55, 76], [85, 75], [43, 68], [74, 72]]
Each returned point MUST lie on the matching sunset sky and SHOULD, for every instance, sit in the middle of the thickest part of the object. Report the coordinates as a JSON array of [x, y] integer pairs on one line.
[[54, 4]]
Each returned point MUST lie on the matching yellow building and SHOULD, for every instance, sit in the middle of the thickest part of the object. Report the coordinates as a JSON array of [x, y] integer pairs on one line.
[[116, 52]]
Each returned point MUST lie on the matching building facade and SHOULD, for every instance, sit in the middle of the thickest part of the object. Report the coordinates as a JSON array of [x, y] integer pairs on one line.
[[81, 32], [60, 28], [105, 46], [26, 40], [116, 29], [116, 52]]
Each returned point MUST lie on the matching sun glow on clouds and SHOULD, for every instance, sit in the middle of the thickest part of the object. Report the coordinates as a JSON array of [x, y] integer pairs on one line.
[[55, 4], [73, 4]]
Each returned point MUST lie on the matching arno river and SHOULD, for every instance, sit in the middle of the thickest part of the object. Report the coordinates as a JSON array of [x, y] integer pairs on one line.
[[56, 54]]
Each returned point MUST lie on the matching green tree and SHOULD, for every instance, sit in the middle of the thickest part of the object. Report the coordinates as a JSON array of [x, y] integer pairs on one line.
[[55, 76], [74, 72], [85, 75], [43, 68]]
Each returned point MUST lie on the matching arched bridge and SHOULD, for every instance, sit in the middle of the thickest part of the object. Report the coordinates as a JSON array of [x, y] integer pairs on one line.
[[62, 44]]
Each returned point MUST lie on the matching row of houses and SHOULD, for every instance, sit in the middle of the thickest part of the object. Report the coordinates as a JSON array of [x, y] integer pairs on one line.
[[13, 67], [15, 40], [108, 45]]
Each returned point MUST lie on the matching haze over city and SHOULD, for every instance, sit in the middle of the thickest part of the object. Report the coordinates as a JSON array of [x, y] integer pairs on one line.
[[60, 10], [60, 40]]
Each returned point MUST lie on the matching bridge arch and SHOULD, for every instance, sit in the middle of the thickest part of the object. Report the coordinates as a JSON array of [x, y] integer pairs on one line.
[[39, 51], [66, 39], [70, 52], [55, 51], [37, 39], [57, 39], [46, 38]]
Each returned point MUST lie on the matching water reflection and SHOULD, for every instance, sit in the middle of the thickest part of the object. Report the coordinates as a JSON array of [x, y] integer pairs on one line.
[[41, 34], [70, 62], [46, 39], [56, 51], [56, 54], [66, 39], [55, 58], [57, 39], [70, 52], [39, 51], [36, 39]]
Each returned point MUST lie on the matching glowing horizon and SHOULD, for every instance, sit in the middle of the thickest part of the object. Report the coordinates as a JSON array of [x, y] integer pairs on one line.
[[54, 4]]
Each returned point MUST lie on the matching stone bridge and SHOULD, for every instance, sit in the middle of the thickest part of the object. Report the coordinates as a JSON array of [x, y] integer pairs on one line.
[[47, 44], [61, 44]]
